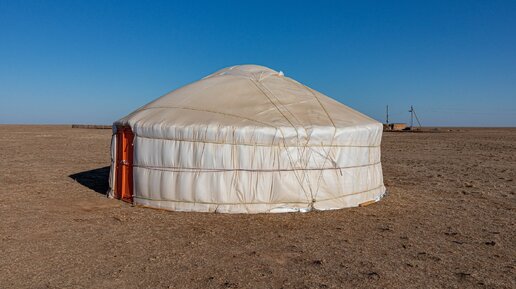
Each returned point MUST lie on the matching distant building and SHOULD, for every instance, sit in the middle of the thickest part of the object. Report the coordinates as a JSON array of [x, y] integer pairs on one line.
[[395, 126]]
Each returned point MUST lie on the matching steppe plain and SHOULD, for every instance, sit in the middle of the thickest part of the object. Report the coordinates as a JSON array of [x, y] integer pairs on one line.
[[448, 221]]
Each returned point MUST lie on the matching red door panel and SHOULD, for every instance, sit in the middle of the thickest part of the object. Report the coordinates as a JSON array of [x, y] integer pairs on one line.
[[124, 164]]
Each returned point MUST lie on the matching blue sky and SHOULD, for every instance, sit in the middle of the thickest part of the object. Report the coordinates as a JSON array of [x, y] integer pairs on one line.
[[96, 61]]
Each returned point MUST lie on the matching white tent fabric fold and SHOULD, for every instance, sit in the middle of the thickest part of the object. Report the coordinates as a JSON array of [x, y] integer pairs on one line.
[[247, 139]]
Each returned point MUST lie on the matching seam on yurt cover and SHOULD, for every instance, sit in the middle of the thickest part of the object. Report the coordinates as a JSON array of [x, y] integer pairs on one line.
[[332, 139], [283, 135], [300, 148], [222, 204], [284, 106], [183, 169], [259, 86], [306, 144], [257, 144]]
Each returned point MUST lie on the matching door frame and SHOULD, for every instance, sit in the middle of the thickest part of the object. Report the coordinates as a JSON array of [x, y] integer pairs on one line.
[[124, 164]]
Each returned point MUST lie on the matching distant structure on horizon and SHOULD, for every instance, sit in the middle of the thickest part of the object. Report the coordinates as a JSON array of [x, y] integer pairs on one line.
[[395, 126], [400, 126]]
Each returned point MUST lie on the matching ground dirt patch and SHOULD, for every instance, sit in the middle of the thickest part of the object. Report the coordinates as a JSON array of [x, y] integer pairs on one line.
[[447, 222]]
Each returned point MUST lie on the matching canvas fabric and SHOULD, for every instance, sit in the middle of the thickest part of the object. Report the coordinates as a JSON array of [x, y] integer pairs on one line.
[[248, 139]]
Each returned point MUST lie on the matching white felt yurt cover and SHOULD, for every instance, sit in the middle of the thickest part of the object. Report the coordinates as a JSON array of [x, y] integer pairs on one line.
[[248, 139]]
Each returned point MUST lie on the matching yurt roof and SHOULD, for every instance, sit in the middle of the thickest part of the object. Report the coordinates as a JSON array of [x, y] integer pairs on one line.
[[255, 105]]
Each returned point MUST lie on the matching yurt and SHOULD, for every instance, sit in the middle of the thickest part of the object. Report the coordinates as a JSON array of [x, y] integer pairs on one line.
[[246, 139]]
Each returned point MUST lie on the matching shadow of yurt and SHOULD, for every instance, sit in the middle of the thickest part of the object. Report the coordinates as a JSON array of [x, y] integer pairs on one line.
[[96, 179]]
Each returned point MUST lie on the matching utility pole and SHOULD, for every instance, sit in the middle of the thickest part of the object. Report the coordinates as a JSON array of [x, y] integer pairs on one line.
[[387, 118], [412, 115]]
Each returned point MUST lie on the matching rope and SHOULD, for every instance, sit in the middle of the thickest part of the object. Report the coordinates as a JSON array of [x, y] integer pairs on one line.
[[258, 85], [182, 169], [257, 144], [332, 139]]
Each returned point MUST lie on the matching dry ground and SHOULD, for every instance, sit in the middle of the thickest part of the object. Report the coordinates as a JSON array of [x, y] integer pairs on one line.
[[447, 222]]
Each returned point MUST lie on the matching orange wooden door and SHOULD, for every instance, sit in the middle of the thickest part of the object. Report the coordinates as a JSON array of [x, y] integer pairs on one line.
[[124, 164]]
